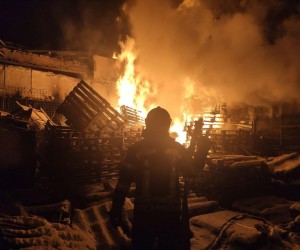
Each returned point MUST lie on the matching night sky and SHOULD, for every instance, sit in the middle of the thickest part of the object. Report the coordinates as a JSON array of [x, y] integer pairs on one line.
[[90, 25], [62, 24]]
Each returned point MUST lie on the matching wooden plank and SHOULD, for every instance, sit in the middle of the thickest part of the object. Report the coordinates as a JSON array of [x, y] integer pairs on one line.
[[72, 117], [94, 92], [77, 108], [80, 105], [97, 102], [87, 99]]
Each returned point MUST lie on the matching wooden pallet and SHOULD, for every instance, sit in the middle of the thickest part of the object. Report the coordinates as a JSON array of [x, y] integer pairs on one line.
[[75, 158], [86, 110], [224, 141], [133, 116]]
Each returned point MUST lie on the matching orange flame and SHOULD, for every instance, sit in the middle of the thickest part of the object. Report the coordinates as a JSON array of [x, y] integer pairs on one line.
[[133, 92], [179, 123]]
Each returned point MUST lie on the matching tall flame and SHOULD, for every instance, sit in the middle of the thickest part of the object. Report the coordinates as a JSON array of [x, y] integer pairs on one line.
[[132, 90], [126, 84], [137, 93]]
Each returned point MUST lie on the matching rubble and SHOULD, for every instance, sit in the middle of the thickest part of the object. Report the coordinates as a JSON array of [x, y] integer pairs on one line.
[[36, 118]]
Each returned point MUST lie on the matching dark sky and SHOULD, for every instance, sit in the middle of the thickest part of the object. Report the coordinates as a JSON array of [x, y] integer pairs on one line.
[[90, 25], [62, 24]]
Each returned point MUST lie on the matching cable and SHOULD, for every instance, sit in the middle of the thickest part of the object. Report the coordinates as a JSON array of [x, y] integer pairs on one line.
[[231, 221]]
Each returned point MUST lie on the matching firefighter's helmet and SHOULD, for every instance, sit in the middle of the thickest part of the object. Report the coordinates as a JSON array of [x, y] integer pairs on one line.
[[158, 117]]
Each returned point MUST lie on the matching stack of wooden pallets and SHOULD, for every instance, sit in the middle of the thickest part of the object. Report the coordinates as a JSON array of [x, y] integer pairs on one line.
[[80, 157], [132, 116], [91, 148], [74, 158]]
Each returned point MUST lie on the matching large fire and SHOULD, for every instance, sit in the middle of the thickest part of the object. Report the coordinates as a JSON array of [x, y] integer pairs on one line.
[[134, 91]]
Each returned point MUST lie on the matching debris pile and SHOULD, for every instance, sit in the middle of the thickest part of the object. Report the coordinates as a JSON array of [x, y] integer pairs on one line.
[[229, 177], [257, 194], [32, 233], [236, 230], [89, 150], [234, 200], [107, 236]]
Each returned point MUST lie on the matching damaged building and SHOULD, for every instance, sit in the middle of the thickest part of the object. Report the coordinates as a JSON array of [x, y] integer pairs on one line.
[[46, 77], [63, 141]]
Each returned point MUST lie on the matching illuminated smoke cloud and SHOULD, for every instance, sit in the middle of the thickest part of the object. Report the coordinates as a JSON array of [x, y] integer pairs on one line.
[[248, 51]]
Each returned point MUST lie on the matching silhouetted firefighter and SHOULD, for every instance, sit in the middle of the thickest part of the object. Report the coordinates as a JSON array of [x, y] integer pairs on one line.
[[155, 164]]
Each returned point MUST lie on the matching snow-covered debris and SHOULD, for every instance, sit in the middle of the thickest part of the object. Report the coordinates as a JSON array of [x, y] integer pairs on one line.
[[235, 231], [33, 233], [275, 209], [96, 220], [287, 165]]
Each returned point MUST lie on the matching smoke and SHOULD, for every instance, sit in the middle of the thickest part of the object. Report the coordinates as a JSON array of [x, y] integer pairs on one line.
[[247, 51], [89, 25]]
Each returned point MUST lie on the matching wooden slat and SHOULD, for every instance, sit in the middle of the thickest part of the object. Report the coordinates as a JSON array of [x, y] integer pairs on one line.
[[96, 112]]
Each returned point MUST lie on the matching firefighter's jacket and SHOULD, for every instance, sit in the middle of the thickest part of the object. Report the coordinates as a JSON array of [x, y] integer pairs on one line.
[[154, 164]]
